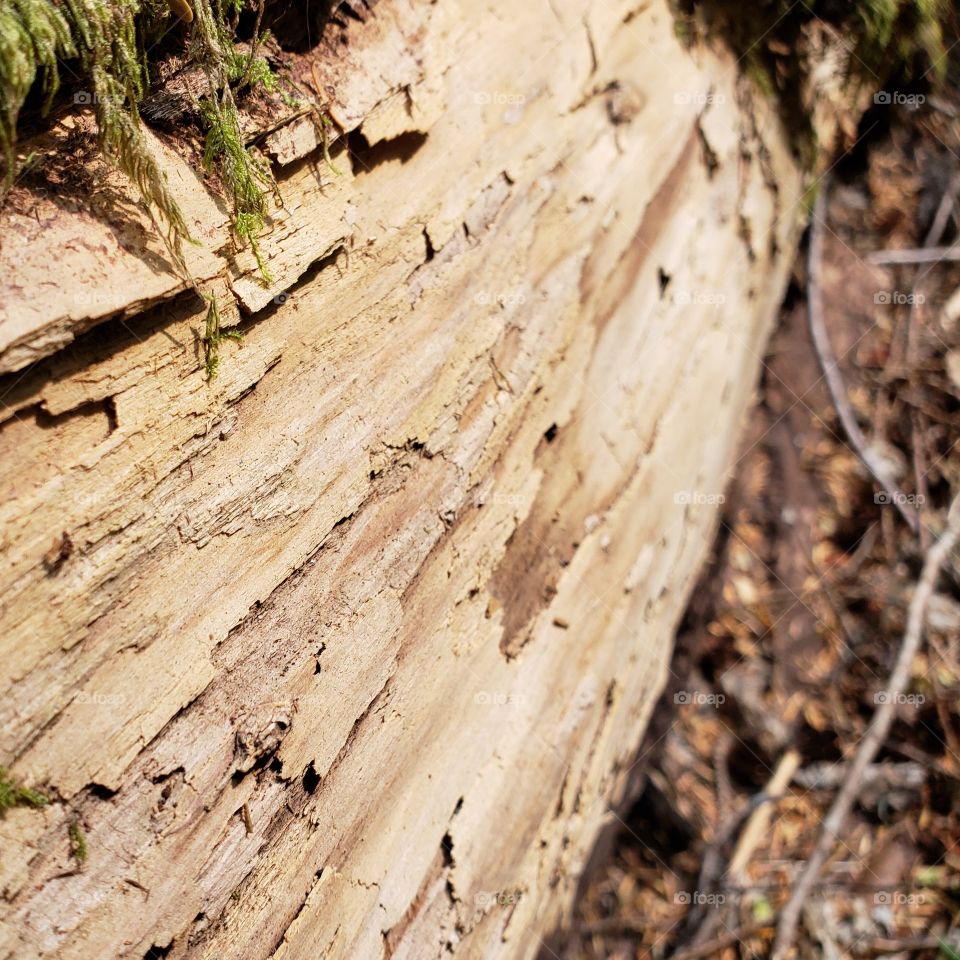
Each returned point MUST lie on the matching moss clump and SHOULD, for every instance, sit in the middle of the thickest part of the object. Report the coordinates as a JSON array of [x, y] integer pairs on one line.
[[78, 843], [903, 35], [109, 40], [326, 126], [246, 176], [32, 37], [885, 36], [888, 41], [14, 794], [36, 35]]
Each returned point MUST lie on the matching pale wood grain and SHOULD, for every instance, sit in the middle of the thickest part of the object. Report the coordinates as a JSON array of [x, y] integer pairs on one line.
[[473, 415]]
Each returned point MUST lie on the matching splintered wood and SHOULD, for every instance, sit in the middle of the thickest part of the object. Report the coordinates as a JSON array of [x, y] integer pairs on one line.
[[347, 652]]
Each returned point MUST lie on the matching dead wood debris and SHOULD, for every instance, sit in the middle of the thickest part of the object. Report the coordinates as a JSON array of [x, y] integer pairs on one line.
[[832, 829]]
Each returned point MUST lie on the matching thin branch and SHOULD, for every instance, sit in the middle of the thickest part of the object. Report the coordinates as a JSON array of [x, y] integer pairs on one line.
[[713, 869], [721, 943], [942, 216], [915, 255], [701, 921], [759, 821], [934, 236], [876, 733], [831, 371], [889, 945]]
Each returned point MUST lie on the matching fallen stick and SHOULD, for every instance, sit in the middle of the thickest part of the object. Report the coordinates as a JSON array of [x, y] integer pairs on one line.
[[755, 812], [701, 921], [831, 371], [887, 945], [720, 943], [934, 236], [942, 216], [876, 733], [914, 255], [759, 820], [829, 775]]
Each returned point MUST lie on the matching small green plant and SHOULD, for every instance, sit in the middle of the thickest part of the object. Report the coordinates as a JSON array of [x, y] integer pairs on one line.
[[78, 843], [14, 794], [246, 176], [36, 35], [109, 39], [213, 336], [325, 123]]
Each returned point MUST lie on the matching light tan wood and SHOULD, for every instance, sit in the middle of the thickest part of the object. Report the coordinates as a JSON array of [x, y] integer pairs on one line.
[[401, 584]]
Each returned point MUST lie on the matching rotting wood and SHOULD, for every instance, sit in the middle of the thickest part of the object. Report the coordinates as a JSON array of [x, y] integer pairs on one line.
[[469, 450]]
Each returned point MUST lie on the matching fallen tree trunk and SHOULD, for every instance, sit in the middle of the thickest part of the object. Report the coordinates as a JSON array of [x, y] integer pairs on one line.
[[346, 652]]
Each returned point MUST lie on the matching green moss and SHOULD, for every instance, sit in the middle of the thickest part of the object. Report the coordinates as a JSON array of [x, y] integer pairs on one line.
[[683, 31], [245, 176], [325, 127], [810, 196], [36, 35], [213, 336], [885, 36], [14, 794], [78, 843], [890, 41], [107, 40], [32, 36]]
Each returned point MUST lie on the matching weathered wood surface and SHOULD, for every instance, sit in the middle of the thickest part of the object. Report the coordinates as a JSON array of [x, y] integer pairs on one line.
[[403, 580]]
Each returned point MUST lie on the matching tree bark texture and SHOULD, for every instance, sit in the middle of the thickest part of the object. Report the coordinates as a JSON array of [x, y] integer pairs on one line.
[[347, 652]]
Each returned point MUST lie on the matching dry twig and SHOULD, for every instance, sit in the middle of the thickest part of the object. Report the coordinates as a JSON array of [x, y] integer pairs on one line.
[[759, 820], [915, 255], [831, 371], [875, 735], [933, 237], [720, 943]]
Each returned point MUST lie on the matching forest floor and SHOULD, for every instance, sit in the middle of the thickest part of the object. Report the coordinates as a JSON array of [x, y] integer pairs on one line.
[[793, 630]]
